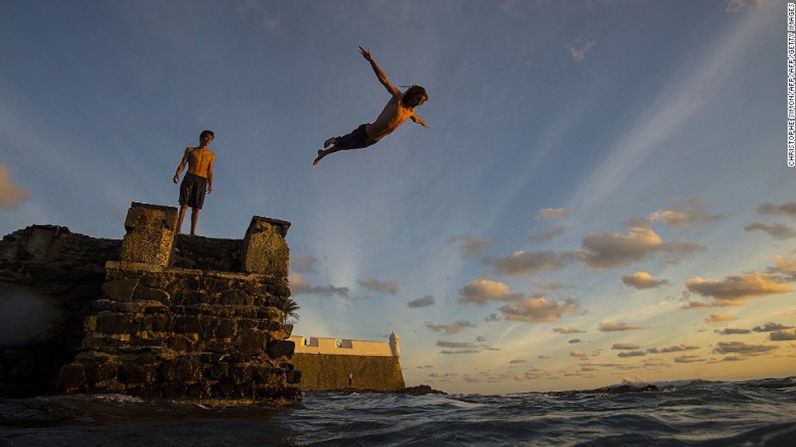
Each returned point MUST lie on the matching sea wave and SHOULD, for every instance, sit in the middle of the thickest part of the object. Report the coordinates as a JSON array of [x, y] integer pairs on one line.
[[760, 412]]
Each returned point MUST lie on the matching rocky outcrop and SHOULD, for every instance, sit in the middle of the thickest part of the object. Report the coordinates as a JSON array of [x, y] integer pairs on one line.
[[155, 315]]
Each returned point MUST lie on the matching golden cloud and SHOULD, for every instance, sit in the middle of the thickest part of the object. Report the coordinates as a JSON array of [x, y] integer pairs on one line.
[[734, 290], [11, 195], [643, 280]]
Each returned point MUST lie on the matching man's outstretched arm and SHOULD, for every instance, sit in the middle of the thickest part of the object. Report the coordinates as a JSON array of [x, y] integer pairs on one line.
[[379, 72], [416, 118]]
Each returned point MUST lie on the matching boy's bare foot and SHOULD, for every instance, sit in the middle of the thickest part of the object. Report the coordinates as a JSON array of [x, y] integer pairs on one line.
[[321, 154]]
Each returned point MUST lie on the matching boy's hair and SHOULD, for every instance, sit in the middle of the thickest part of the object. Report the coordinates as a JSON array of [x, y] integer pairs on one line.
[[207, 132], [415, 90]]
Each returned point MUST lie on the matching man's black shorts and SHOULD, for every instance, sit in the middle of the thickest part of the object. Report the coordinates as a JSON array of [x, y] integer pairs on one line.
[[192, 191], [357, 139]]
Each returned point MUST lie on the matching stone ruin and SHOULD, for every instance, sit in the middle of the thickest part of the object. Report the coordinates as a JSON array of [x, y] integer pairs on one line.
[[155, 315]]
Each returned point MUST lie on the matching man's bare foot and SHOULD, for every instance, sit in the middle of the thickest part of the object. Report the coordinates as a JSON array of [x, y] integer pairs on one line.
[[321, 153], [329, 142]]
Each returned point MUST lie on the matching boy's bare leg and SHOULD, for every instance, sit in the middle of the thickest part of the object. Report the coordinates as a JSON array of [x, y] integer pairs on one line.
[[183, 207], [194, 219]]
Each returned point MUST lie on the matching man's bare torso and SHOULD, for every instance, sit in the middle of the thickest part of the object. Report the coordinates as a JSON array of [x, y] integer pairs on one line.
[[199, 160], [391, 117]]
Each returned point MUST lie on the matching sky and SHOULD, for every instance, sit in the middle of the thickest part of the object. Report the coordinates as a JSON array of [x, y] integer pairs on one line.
[[602, 194]]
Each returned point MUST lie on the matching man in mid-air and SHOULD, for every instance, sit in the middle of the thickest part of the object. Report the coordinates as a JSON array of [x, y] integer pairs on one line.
[[198, 179], [399, 108]]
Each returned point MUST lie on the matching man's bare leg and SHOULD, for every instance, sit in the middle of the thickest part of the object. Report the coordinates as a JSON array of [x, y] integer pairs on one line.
[[328, 147], [183, 207], [194, 219]]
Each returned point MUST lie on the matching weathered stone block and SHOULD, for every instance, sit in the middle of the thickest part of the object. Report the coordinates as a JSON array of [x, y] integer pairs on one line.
[[208, 326], [242, 373], [251, 341], [180, 370], [264, 248], [283, 333], [217, 371], [236, 297], [150, 294], [120, 289], [187, 324], [281, 348], [116, 323], [150, 234], [156, 323], [179, 343], [138, 372], [98, 372], [226, 328], [173, 390]]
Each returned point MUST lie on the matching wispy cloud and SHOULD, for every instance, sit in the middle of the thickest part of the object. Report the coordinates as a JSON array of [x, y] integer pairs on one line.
[[567, 330], [449, 329], [524, 262], [685, 213], [688, 359], [547, 235], [538, 309], [577, 353], [625, 347], [770, 326], [631, 354], [732, 331], [11, 194], [253, 10], [736, 6], [669, 349], [786, 209], [379, 286], [783, 335], [463, 351], [552, 213], [611, 326], [304, 264], [719, 318], [737, 347], [546, 285], [579, 47], [455, 344], [776, 230], [643, 280], [470, 246], [299, 286], [426, 301]]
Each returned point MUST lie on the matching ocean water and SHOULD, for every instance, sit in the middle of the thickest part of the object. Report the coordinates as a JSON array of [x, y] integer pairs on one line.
[[752, 413]]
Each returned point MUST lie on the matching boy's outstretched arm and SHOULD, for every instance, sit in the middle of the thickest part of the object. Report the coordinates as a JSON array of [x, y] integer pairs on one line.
[[181, 166], [416, 118], [379, 72]]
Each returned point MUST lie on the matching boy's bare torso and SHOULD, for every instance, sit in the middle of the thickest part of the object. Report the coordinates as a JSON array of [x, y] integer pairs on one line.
[[199, 160], [391, 117]]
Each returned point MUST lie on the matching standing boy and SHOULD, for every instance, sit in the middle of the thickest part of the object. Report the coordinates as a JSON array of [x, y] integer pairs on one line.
[[197, 180], [399, 108]]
